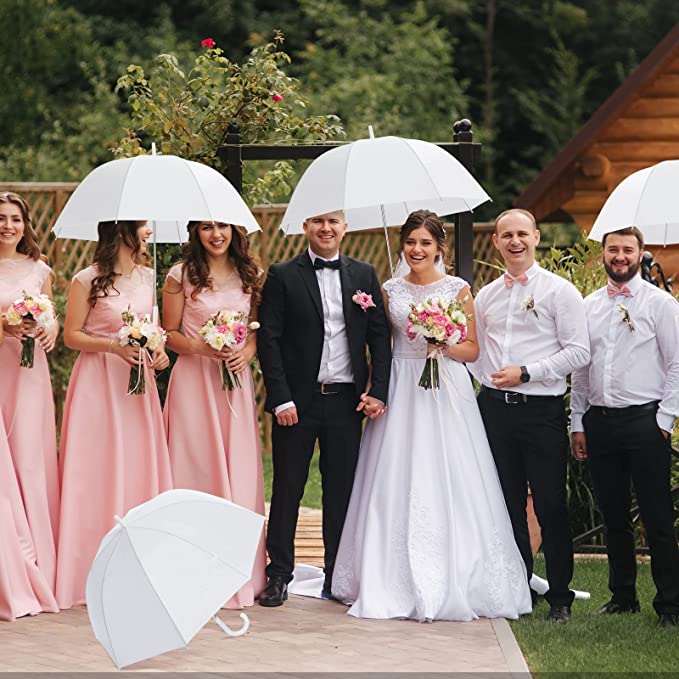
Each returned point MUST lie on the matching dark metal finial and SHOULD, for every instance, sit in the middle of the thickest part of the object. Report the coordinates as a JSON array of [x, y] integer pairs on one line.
[[464, 125], [233, 128]]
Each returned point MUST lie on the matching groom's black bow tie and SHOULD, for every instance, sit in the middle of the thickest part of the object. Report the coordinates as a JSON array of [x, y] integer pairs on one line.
[[325, 264]]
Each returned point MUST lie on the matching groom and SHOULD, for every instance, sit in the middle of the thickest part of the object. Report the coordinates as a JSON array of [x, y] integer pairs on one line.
[[312, 350]]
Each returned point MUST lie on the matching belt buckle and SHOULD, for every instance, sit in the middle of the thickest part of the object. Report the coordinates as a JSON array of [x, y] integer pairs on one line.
[[324, 386], [512, 398]]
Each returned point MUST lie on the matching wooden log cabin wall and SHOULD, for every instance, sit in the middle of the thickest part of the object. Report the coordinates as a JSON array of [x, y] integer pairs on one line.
[[636, 127]]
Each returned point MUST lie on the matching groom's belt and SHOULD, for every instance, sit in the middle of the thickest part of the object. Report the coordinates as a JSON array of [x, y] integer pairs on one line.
[[332, 388], [514, 397]]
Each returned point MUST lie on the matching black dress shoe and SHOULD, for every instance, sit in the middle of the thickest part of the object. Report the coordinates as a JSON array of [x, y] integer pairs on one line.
[[613, 607], [560, 614], [668, 620], [276, 592]]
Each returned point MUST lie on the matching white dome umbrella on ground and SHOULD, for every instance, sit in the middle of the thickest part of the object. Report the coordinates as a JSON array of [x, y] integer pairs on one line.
[[648, 199], [166, 190], [165, 569], [380, 181]]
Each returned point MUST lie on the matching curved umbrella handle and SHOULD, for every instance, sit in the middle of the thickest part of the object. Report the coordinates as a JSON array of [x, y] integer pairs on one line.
[[227, 629]]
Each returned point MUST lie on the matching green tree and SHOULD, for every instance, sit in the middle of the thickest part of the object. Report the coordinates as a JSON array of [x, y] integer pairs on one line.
[[393, 70]]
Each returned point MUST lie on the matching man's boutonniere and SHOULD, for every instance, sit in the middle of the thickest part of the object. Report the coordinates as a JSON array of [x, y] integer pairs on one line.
[[625, 317], [363, 299], [529, 306]]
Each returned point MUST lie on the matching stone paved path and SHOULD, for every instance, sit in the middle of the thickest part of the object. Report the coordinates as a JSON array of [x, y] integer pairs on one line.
[[305, 635]]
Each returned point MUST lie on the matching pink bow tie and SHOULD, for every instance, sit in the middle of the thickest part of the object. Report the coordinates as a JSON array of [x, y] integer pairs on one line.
[[510, 280], [613, 290]]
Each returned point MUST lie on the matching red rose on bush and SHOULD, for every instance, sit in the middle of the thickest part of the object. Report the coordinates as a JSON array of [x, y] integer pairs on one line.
[[277, 97], [208, 42]]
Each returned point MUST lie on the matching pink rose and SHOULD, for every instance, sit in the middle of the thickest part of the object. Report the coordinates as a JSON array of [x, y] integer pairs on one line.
[[222, 329], [240, 332], [208, 42], [277, 97], [363, 299], [21, 309]]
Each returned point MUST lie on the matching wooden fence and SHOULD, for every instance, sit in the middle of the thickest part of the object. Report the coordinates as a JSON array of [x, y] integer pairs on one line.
[[67, 257]]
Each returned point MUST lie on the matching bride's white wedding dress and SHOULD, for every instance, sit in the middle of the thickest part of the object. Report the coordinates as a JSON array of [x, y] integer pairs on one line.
[[427, 534]]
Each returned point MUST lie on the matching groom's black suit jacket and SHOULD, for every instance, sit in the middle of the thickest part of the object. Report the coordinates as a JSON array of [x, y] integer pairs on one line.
[[290, 339]]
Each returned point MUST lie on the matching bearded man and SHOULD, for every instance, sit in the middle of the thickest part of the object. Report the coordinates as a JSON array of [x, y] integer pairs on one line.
[[623, 409]]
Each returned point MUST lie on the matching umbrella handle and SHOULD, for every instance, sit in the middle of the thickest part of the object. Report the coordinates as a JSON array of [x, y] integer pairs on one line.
[[229, 631]]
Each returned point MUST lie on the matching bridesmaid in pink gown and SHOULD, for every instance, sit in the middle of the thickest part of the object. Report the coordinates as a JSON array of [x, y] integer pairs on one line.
[[29, 490], [113, 446], [214, 446]]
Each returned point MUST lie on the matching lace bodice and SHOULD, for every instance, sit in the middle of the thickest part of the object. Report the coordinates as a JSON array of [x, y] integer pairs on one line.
[[401, 295]]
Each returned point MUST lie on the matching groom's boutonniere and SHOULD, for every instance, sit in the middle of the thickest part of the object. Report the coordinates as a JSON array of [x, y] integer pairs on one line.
[[625, 317], [363, 299], [529, 306]]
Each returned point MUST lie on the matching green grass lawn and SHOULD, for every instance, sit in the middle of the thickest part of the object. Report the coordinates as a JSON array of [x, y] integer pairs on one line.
[[312, 492], [598, 643]]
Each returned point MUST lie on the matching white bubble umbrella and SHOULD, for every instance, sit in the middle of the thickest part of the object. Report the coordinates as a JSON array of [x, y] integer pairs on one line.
[[164, 571], [166, 190], [378, 182], [648, 199]]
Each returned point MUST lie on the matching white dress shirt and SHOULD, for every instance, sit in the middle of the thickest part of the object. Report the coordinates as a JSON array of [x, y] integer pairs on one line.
[[630, 367], [336, 357], [540, 325]]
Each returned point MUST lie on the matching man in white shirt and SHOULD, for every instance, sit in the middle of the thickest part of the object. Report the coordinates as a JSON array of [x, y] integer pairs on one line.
[[532, 334], [312, 348], [623, 409]]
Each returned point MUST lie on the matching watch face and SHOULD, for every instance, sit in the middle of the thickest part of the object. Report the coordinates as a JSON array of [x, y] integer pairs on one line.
[[525, 377]]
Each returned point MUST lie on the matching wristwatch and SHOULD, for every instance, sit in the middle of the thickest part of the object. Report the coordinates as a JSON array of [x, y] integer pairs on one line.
[[525, 377]]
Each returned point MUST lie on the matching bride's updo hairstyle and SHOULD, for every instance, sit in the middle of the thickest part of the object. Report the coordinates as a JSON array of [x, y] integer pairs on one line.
[[430, 221]]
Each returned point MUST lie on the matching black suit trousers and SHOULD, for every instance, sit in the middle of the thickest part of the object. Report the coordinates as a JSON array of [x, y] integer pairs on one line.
[[331, 420], [631, 449], [529, 442]]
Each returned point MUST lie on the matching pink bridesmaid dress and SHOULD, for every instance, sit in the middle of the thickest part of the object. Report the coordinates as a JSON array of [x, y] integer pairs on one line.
[[30, 488], [213, 448], [24, 589], [113, 445]]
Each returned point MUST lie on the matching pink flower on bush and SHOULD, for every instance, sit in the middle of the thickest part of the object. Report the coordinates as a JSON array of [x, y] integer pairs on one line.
[[277, 97], [209, 43], [363, 299]]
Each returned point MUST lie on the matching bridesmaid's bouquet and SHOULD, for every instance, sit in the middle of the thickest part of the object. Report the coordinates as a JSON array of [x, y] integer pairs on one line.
[[440, 322], [39, 309], [139, 331], [227, 329]]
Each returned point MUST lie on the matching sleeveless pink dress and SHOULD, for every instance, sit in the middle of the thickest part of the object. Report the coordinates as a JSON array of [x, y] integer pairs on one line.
[[211, 449], [113, 445], [29, 490]]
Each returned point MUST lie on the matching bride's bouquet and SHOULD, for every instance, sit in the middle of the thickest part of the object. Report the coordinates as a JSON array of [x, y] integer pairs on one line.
[[139, 331], [227, 329], [39, 309], [440, 322]]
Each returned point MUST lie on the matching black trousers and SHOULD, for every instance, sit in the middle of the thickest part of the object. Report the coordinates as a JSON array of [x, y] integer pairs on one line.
[[624, 448], [529, 442], [331, 420]]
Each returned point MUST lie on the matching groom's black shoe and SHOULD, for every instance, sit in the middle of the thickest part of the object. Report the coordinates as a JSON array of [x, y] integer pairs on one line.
[[276, 592], [560, 614], [614, 607]]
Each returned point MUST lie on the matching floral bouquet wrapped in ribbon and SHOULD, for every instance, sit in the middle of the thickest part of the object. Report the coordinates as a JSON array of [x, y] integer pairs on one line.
[[139, 331], [440, 322], [39, 309], [227, 329]]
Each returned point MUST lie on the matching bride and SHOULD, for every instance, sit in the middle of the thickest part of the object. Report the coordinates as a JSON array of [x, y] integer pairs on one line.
[[427, 534]]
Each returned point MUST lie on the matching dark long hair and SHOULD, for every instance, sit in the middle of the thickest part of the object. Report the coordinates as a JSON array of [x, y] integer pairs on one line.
[[111, 235], [430, 221], [197, 270], [28, 245]]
